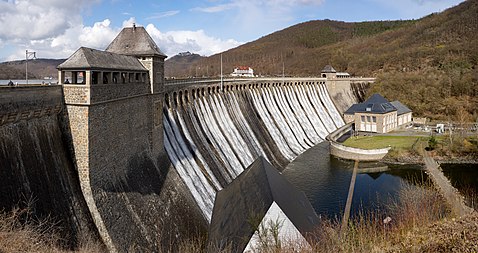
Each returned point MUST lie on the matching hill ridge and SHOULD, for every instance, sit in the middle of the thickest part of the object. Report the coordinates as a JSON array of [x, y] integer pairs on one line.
[[430, 64]]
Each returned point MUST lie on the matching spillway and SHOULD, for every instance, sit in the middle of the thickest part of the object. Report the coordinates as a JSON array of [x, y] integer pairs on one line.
[[211, 137]]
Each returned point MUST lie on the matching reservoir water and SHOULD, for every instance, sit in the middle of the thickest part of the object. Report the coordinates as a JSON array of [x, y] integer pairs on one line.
[[326, 180], [464, 177], [30, 81]]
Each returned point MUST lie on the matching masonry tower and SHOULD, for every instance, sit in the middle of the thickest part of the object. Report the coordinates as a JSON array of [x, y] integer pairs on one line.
[[135, 41], [114, 108]]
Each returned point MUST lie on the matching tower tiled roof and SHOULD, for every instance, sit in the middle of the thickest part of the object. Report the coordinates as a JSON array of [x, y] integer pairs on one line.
[[88, 58], [135, 41], [328, 69]]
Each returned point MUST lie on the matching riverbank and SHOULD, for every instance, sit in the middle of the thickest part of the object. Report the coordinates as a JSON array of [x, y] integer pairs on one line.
[[413, 157]]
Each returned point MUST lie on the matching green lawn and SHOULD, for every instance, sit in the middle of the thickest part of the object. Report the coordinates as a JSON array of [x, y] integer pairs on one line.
[[380, 141]]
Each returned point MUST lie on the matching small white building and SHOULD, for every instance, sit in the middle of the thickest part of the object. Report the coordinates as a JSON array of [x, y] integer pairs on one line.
[[243, 71], [378, 115]]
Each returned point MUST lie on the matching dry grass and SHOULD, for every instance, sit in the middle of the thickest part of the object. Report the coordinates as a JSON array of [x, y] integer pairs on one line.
[[368, 232], [20, 231], [413, 214]]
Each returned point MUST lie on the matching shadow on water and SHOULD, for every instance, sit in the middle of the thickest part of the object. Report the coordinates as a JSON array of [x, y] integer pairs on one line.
[[326, 180], [464, 177]]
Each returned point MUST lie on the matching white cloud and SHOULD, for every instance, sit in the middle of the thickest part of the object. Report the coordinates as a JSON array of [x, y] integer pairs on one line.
[[295, 2], [418, 8], [272, 5], [28, 19], [253, 18], [129, 22], [216, 8], [102, 33], [163, 15], [54, 29], [174, 42], [97, 36]]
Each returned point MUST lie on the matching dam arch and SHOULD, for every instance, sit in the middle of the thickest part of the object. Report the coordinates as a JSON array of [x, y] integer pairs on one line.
[[227, 129]]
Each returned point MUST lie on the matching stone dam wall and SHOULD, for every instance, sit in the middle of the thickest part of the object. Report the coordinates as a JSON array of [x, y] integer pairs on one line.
[[36, 167], [152, 183], [139, 198]]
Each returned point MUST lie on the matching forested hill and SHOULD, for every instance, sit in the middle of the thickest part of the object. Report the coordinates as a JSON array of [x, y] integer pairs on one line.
[[429, 64], [294, 46], [38, 68], [180, 62]]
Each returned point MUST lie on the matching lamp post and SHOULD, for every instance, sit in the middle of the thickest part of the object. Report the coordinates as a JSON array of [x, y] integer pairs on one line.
[[27, 56]]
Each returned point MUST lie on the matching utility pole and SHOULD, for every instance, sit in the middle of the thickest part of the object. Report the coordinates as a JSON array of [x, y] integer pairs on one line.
[[283, 75], [221, 75], [283, 68], [27, 56]]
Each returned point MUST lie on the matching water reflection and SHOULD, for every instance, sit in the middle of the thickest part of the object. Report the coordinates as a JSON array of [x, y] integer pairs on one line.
[[325, 180]]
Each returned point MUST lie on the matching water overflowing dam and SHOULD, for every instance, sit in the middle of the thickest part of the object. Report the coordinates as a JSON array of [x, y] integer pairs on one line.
[[211, 136]]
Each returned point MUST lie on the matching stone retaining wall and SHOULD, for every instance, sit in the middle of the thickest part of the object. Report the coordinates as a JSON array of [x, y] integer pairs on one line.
[[356, 153]]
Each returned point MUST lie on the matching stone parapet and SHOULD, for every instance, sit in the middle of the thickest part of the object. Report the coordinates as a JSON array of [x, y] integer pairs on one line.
[[76, 94], [99, 93], [356, 153], [108, 92]]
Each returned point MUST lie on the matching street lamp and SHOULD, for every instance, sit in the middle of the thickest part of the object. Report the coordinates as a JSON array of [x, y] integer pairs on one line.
[[27, 56]]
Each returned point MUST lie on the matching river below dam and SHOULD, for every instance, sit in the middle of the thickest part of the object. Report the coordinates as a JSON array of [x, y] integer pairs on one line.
[[326, 180]]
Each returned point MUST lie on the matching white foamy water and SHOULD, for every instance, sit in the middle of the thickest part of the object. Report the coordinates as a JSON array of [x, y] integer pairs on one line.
[[294, 117]]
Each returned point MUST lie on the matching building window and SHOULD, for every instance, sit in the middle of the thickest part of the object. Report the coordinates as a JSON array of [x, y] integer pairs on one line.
[[362, 119], [94, 77], [374, 119], [368, 119], [106, 78], [123, 77], [115, 77]]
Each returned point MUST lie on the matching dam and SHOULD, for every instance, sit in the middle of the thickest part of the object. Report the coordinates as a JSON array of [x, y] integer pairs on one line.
[[211, 138], [121, 155]]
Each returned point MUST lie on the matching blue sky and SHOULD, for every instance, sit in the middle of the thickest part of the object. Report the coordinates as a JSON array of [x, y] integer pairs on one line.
[[56, 28]]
